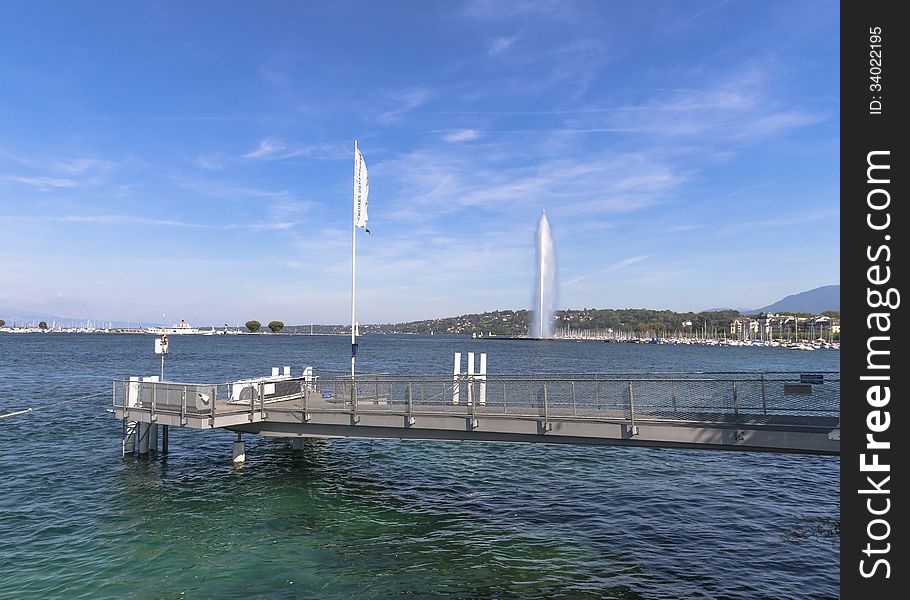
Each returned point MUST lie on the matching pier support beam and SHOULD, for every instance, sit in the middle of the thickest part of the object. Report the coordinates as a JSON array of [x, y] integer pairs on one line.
[[131, 428], [143, 438], [297, 443], [164, 439], [238, 451]]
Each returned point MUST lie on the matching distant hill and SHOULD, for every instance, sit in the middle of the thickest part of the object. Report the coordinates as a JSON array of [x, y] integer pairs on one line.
[[515, 322], [814, 301]]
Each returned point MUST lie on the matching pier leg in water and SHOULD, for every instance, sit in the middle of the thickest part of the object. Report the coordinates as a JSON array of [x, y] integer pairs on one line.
[[238, 453], [143, 438], [297, 443], [164, 439]]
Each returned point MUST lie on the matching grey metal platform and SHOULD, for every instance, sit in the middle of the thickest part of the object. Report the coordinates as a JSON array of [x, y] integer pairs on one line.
[[779, 412]]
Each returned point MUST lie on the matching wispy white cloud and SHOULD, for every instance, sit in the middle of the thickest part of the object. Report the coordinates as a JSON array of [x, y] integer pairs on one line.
[[276, 149], [129, 220], [737, 105], [403, 101], [116, 219], [47, 173], [279, 217], [210, 162], [501, 44], [59, 165], [617, 266], [81, 166], [783, 219], [266, 149], [433, 182], [795, 218], [461, 135], [493, 10], [218, 189], [698, 14], [45, 184], [683, 228]]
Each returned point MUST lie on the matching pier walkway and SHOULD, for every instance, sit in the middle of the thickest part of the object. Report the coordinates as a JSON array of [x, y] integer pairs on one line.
[[778, 412]]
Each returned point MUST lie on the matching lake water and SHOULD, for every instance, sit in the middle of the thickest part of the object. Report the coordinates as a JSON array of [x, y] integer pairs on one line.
[[387, 519]]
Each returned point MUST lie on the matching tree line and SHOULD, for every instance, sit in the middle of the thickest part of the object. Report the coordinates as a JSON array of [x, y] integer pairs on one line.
[[255, 326]]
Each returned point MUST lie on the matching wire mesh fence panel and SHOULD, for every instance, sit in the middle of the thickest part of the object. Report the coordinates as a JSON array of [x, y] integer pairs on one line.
[[762, 398], [703, 400], [800, 397], [752, 400]]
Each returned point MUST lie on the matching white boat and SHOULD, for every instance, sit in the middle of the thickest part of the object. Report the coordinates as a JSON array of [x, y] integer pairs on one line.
[[183, 328]]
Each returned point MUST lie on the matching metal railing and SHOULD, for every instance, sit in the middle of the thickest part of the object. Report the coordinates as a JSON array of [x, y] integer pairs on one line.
[[753, 398]]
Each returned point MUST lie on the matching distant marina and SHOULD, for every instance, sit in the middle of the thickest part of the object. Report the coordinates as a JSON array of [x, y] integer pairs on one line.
[[183, 329], [564, 335], [627, 338]]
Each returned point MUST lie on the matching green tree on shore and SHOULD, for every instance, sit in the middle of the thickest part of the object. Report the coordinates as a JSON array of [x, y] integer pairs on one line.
[[276, 326], [253, 326], [42, 325], [2, 322]]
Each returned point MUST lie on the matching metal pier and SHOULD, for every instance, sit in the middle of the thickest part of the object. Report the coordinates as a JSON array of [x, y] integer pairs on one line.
[[777, 412]]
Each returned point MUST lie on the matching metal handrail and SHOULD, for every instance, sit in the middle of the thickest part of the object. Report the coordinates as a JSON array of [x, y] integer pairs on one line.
[[760, 397]]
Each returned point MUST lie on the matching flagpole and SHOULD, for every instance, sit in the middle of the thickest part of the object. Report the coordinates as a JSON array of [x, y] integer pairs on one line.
[[354, 273]]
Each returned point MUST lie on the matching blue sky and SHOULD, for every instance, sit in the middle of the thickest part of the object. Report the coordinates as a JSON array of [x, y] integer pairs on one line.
[[195, 158]]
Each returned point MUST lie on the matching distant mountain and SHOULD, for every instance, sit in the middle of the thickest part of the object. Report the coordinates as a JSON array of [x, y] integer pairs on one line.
[[814, 301]]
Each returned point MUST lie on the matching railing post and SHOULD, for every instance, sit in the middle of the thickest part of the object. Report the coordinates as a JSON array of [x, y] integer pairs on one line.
[[735, 403], [456, 377], [262, 400], [546, 408], [154, 396], [764, 404], [574, 412], [410, 404], [473, 406], [631, 407], [353, 399], [183, 407], [306, 402], [482, 377], [214, 391], [673, 390], [470, 381]]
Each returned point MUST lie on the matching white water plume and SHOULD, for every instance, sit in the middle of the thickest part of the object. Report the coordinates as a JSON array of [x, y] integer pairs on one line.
[[545, 284]]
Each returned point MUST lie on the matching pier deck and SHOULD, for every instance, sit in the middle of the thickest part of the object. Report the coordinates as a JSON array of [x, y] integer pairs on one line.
[[780, 412]]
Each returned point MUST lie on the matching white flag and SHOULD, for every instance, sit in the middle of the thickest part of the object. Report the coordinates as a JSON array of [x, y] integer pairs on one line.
[[361, 190]]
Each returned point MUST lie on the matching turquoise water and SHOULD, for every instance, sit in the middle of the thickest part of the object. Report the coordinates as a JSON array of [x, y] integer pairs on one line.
[[387, 519]]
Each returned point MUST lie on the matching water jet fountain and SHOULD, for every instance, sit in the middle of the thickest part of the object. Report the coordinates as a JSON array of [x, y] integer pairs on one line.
[[545, 283]]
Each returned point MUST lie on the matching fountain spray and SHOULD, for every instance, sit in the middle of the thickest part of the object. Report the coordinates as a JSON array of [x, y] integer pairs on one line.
[[545, 283]]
